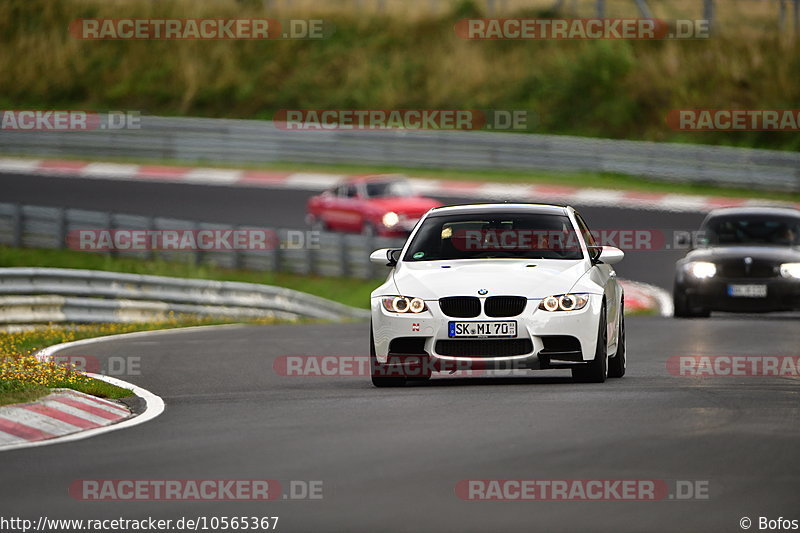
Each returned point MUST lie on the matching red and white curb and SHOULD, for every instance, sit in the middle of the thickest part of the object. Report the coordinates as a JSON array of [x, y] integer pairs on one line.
[[319, 181], [47, 425], [60, 413], [643, 297]]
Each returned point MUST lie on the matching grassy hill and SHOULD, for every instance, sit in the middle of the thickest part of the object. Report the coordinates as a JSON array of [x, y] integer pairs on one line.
[[619, 89]]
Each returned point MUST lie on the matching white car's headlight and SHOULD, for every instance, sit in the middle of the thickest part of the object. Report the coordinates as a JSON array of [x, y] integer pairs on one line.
[[403, 304], [390, 219], [701, 269], [790, 270], [564, 302]]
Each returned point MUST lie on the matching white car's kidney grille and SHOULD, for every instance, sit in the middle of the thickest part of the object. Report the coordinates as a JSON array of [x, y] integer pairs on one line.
[[504, 306], [460, 306]]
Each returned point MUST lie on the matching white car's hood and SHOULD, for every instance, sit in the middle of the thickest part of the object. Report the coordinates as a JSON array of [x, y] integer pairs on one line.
[[429, 280]]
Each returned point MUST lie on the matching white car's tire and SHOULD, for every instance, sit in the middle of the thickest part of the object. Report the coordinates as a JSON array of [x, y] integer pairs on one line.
[[618, 363], [596, 370]]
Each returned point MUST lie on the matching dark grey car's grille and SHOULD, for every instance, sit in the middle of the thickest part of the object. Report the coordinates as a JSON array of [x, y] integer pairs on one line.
[[484, 348], [758, 268], [500, 306], [460, 306]]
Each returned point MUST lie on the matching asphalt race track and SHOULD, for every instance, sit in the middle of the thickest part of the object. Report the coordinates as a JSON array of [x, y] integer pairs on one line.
[[286, 209], [389, 459]]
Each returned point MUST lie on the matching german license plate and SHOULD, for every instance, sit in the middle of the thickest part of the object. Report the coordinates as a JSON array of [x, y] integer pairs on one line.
[[506, 328], [747, 291]]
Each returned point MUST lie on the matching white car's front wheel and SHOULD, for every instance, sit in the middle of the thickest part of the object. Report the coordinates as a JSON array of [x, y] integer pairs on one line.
[[618, 363], [596, 370]]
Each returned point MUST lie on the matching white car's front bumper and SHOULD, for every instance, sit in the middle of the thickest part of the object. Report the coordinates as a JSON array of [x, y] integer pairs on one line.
[[428, 331]]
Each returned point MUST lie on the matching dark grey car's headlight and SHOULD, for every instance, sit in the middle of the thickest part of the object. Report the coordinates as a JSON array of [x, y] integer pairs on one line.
[[701, 269], [790, 270]]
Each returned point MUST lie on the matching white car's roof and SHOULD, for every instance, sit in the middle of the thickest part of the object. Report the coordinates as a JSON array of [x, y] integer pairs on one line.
[[516, 207]]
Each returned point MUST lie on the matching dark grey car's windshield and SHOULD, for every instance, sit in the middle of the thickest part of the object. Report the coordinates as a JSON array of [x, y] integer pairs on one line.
[[495, 235], [752, 230]]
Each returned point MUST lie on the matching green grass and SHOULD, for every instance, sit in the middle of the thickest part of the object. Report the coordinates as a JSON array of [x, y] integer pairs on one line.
[[616, 89], [349, 291], [14, 391]]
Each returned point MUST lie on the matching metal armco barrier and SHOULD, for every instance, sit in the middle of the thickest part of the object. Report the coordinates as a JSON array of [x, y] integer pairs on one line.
[[40, 295], [199, 140], [326, 254]]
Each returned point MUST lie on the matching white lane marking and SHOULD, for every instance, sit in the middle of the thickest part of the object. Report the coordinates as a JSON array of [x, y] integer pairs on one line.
[[597, 196], [684, 202], [503, 190], [19, 165], [423, 186], [213, 176], [312, 181], [109, 171]]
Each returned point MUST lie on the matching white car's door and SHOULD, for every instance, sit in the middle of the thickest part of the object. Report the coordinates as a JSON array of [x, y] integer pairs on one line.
[[605, 276]]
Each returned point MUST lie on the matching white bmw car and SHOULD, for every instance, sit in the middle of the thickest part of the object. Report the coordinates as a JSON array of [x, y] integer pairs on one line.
[[498, 286]]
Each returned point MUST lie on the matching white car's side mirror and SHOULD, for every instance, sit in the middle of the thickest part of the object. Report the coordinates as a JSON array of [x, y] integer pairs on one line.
[[385, 256], [610, 255]]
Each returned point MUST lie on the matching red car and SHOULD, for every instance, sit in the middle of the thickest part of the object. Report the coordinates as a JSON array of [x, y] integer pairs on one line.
[[372, 205]]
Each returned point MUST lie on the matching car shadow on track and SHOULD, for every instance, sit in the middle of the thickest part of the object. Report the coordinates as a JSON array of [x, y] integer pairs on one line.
[[772, 317], [488, 381]]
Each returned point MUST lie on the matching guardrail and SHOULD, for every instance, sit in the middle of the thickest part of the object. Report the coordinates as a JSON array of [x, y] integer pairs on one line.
[[39, 295], [327, 254], [250, 141]]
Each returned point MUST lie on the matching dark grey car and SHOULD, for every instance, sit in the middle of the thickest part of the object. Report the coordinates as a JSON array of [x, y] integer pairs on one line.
[[745, 260]]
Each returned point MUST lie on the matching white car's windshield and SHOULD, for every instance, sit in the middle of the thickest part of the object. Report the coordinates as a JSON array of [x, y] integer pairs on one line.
[[495, 235]]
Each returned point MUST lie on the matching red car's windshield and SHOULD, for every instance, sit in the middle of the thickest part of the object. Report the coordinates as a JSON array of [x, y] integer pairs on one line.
[[389, 188]]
